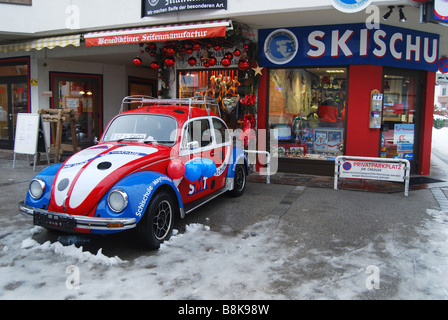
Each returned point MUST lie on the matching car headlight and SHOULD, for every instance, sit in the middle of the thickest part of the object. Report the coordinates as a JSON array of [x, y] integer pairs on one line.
[[117, 200], [36, 188]]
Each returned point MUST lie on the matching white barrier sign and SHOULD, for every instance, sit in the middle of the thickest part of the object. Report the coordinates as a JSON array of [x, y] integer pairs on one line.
[[357, 169], [365, 168]]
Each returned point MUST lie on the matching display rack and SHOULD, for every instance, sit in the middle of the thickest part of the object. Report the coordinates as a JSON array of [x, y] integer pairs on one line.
[[56, 118]]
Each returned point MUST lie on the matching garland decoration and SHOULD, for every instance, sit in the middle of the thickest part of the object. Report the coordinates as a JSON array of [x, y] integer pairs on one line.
[[239, 42]]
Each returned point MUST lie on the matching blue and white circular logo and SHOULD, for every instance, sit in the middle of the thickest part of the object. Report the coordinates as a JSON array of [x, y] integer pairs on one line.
[[281, 46], [350, 6], [153, 2]]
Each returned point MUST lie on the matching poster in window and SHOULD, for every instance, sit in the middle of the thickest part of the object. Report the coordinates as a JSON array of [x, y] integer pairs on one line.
[[320, 141], [308, 139], [334, 141]]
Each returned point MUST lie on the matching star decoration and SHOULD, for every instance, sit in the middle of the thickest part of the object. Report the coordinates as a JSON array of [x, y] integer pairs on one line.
[[258, 70]]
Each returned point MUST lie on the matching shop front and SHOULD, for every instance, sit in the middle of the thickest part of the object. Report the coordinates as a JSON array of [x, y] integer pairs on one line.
[[14, 96], [347, 90], [200, 60]]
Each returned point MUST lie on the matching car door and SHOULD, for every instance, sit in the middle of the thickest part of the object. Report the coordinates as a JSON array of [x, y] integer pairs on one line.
[[197, 143], [222, 151]]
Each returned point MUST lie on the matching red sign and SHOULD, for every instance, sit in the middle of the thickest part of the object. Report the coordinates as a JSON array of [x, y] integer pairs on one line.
[[443, 65], [155, 34]]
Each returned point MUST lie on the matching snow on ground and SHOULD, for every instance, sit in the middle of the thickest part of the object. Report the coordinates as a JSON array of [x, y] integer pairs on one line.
[[202, 263], [440, 140]]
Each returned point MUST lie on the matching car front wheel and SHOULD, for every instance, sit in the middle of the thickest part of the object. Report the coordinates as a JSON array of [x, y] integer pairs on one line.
[[157, 224]]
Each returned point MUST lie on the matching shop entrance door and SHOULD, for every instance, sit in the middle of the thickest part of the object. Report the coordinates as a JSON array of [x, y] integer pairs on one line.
[[401, 115], [13, 100], [81, 93]]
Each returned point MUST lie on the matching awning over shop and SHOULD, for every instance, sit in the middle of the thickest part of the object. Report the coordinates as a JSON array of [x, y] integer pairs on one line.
[[39, 44], [172, 32]]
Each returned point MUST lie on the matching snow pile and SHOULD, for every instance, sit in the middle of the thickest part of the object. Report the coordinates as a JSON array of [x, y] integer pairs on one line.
[[196, 264], [256, 264], [71, 251], [440, 141]]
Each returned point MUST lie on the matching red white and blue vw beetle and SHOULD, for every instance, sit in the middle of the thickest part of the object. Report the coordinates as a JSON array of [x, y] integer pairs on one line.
[[152, 165]]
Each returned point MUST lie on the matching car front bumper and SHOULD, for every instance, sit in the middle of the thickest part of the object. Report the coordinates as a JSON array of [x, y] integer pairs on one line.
[[65, 222]]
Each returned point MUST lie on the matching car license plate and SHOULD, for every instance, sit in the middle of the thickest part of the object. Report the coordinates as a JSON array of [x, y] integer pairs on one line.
[[51, 221]]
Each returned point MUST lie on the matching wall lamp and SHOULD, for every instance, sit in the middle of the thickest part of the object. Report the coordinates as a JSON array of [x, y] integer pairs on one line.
[[391, 9], [387, 15], [402, 17]]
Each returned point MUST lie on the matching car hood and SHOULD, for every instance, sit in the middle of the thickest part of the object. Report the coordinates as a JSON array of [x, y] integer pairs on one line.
[[86, 176]]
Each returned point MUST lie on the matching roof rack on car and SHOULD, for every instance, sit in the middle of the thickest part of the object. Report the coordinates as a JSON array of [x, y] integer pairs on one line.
[[201, 101]]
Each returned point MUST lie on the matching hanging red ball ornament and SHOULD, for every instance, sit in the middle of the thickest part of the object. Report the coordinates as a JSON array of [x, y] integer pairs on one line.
[[243, 65], [237, 52], [138, 61], [196, 47], [192, 61], [225, 62], [170, 62], [170, 51], [207, 64], [212, 61], [217, 47], [189, 50], [154, 65], [228, 55]]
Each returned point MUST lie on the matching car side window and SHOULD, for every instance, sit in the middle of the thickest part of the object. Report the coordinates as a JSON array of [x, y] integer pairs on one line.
[[198, 130], [222, 134]]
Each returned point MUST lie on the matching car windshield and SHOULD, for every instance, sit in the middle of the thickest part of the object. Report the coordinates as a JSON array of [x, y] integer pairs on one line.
[[142, 128]]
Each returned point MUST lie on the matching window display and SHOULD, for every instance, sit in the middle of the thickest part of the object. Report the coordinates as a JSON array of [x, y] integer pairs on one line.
[[223, 85], [307, 107]]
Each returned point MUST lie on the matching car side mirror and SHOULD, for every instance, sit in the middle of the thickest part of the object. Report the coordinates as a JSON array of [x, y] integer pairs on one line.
[[193, 145]]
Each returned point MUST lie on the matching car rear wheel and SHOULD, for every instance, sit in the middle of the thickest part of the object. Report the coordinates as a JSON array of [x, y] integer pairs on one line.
[[157, 224], [239, 181]]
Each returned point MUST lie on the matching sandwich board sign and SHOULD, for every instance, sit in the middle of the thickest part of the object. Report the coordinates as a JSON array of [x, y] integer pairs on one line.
[[28, 136]]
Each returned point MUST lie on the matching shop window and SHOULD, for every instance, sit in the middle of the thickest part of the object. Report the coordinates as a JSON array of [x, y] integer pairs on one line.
[[401, 108], [222, 85], [141, 87], [14, 96], [81, 93], [307, 106]]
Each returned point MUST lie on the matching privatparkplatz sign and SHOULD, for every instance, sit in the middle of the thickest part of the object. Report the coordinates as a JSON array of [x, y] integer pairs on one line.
[[366, 168]]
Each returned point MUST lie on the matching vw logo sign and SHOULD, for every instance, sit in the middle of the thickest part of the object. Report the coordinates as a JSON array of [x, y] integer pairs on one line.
[[281, 46], [350, 6]]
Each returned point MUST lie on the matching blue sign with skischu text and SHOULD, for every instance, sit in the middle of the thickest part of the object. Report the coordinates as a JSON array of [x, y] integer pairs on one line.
[[348, 44]]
